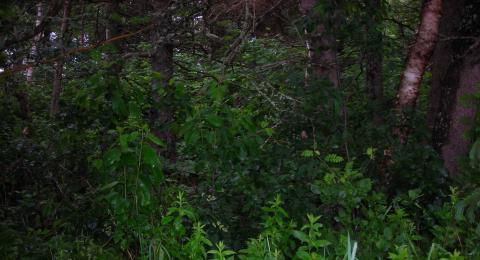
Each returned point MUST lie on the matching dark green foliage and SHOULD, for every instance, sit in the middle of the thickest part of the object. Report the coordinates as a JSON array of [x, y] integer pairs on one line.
[[269, 166]]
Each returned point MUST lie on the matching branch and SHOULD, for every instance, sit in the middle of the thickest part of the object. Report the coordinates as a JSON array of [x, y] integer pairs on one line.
[[247, 30], [205, 74], [38, 29], [74, 51]]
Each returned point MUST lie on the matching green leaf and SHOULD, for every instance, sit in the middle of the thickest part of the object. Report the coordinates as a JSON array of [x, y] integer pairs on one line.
[[133, 136], [156, 140], [322, 243], [333, 158], [134, 110], [191, 136], [108, 186], [157, 175], [214, 120], [365, 185], [310, 153], [112, 156], [145, 196], [124, 141], [156, 75], [269, 131], [387, 232], [150, 156], [98, 164], [96, 55], [303, 255], [217, 92], [307, 153], [300, 236], [371, 152], [228, 252], [118, 105]]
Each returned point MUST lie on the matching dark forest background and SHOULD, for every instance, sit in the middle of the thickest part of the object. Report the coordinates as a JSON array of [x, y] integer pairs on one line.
[[240, 129]]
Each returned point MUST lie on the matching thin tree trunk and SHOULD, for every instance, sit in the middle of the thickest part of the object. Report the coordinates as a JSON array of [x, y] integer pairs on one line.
[[374, 61], [82, 23], [57, 80], [33, 50], [112, 29], [419, 54], [417, 59]]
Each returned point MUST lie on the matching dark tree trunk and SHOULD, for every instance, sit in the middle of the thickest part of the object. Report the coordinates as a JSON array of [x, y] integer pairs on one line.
[[112, 29], [322, 48], [162, 114], [24, 104], [374, 60], [455, 73], [58, 74]]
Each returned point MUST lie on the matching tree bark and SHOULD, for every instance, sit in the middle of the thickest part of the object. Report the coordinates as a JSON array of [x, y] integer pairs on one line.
[[417, 60], [58, 66], [455, 73], [37, 37], [419, 54], [162, 115], [112, 29], [456, 144], [374, 60], [322, 49]]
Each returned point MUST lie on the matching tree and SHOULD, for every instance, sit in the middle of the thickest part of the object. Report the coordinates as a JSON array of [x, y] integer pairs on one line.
[[322, 44], [34, 49], [417, 59], [374, 57], [58, 66], [455, 74]]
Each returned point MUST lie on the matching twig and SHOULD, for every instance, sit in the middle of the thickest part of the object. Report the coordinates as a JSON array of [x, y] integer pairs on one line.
[[206, 74]]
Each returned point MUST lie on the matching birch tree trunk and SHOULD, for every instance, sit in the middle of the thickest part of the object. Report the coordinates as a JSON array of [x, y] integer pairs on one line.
[[418, 57], [33, 50], [419, 54]]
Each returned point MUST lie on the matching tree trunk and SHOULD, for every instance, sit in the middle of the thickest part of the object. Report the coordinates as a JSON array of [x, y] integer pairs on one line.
[[374, 60], [82, 24], [455, 73], [417, 59], [58, 74], [322, 49], [456, 144], [419, 54], [33, 50], [162, 114], [112, 29]]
